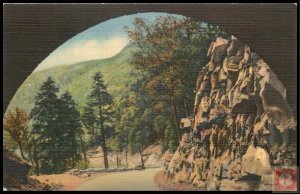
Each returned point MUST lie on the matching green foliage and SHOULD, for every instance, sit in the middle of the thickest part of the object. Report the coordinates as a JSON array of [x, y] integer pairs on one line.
[[76, 79], [170, 51], [45, 115], [137, 117], [81, 164], [149, 85], [70, 120], [120, 139], [160, 123], [98, 116], [170, 140], [55, 128]]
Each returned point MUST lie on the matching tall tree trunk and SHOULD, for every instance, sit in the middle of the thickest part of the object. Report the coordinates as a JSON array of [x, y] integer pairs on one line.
[[21, 150], [83, 150], [104, 150], [53, 152], [141, 154], [73, 161], [126, 152], [117, 160], [30, 156], [37, 167], [35, 158], [73, 154], [174, 113], [103, 143]]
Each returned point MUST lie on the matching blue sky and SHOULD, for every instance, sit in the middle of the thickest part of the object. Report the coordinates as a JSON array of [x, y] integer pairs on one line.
[[100, 41]]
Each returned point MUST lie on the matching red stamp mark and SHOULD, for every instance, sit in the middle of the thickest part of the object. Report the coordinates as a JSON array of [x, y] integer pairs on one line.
[[285, 179]]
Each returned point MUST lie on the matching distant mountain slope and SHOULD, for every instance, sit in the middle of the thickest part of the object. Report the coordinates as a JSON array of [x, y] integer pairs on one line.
[[77, 79]]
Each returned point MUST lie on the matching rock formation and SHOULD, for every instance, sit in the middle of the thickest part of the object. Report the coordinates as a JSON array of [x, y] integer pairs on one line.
[[241, 124], [16, 178]]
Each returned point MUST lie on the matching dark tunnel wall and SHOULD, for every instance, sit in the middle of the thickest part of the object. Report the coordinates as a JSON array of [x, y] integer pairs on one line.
[[32, 32]]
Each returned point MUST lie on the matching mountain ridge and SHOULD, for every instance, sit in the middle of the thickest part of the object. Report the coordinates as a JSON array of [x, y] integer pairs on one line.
[[77, 79]]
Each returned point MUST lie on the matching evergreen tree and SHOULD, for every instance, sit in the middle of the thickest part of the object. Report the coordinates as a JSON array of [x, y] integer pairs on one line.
[[70, 118], [46, 128], [56, 127], [98, 115], [89, 119]]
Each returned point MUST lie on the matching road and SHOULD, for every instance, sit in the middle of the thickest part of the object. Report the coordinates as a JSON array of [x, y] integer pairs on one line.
[[136, 180]]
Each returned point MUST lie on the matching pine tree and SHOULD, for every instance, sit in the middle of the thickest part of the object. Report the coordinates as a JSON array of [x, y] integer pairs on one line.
[[46, 128], [70, 118], [98, 114], [89, 119]]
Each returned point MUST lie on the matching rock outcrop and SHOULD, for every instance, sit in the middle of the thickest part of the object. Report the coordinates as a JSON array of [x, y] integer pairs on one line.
[[15, 175], [241, 124], [15, 168]]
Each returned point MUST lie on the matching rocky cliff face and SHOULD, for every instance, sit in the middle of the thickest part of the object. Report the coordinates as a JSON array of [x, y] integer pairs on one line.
[[241, 127]]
